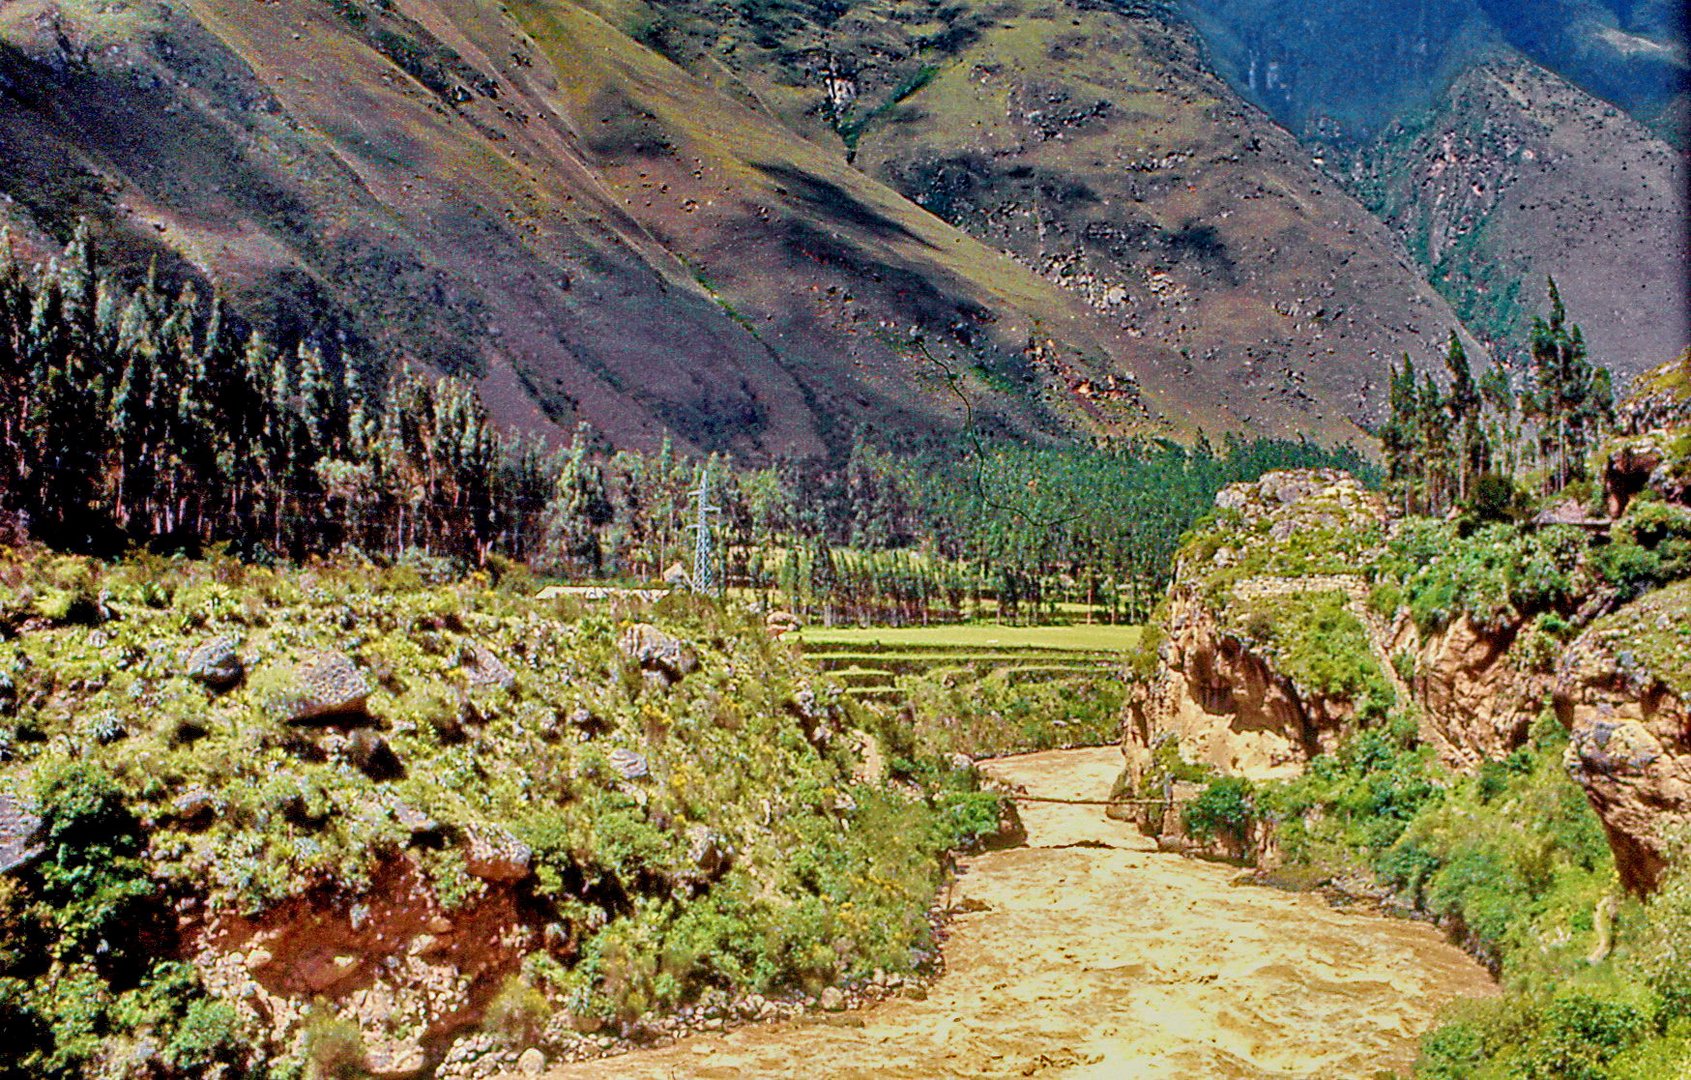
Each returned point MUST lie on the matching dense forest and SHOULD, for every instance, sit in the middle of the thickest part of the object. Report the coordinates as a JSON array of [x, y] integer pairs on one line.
[[145, 418]]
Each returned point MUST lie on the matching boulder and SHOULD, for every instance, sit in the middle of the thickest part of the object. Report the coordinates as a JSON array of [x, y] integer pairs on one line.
[[1011, 833], [372, 754], [708, 852], [195, 808], [656, 651], [20, 830], [629, 764], [216, 664], [1623, 690], [482, 668], [322, 686], [493, 854]]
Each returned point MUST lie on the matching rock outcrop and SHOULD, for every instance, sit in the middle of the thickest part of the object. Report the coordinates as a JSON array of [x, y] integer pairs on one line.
[[1221, 689], [1654, 461], [1623, 689], [20, 829], [1477, 700], [216, 664], [322, 686], [664, 656]]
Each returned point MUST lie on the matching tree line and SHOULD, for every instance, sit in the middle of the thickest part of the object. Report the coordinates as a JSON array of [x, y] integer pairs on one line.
[[141, 417], [1474, 439]]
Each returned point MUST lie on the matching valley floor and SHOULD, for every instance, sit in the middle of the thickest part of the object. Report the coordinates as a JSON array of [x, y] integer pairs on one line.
[[1092, 955]]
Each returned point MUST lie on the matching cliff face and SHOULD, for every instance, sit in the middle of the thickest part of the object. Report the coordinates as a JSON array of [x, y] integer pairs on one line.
[[1303, 612], [1624, 692], [1254, 602], [1476, 697]]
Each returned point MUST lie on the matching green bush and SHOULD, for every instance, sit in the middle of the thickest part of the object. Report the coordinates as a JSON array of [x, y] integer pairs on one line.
[[1225, 809]]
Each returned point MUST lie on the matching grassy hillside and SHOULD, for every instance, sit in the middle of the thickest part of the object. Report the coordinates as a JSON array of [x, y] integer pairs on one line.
[[343, 815]]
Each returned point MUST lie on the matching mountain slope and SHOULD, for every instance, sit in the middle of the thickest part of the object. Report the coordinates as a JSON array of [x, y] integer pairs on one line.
[[1480, 131], [562, 213], [1094, 145], [1517, 175]]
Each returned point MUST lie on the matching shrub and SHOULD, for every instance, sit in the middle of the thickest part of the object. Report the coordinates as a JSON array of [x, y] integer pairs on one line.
[[1225, 809], [1578, 1033], [518, 1013], [209, 1035], [334, 1047]]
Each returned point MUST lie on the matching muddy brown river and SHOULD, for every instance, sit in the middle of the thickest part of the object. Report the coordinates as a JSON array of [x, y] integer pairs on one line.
[[1096, 956]]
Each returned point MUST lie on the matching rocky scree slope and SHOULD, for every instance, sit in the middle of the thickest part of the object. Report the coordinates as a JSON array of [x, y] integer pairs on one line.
[[343, 816], [1303, 613]]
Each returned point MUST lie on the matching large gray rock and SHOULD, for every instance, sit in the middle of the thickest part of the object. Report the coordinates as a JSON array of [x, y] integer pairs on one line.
[[216, 664], [629, 764], [20, 834], [658, 652], [482, 668], [322, 686]]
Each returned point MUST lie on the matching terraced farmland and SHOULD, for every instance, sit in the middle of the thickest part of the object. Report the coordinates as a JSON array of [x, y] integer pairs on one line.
[[869, 660]]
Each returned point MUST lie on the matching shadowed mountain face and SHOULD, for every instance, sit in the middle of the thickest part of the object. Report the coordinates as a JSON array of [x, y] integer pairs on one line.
[[756, 226], [1348, 68]]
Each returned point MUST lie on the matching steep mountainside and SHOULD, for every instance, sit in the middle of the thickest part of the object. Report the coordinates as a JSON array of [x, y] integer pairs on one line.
[[1093, 144], [532, 194], [1484, 133], [525, 193], [1515, 175]]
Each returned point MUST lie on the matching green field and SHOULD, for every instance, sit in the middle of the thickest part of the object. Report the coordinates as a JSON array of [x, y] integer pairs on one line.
[[984, 636], [870, 660]]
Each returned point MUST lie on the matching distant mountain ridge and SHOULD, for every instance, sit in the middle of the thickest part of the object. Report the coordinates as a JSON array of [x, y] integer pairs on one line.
[[1506, 141]]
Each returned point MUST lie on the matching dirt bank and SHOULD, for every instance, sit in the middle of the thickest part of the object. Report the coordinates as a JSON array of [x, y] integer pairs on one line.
[[1094, 956]]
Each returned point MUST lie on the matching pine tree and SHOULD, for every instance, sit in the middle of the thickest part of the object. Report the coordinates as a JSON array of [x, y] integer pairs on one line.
[[1472, 453]]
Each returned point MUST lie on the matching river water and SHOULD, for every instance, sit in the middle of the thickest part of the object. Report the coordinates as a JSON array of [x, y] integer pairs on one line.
[[1092, 955]]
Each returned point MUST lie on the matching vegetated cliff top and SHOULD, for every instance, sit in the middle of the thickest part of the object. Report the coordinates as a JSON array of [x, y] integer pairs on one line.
[[1652, 637], [1513, 175]]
